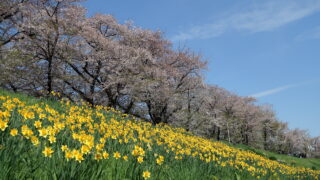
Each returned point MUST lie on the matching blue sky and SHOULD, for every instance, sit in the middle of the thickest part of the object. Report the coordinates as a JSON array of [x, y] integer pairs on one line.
[[266, 49]]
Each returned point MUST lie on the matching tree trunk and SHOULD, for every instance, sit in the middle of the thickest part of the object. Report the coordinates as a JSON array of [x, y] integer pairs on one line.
[[218, 134], [265, 137], [228, 131], [49, 75]]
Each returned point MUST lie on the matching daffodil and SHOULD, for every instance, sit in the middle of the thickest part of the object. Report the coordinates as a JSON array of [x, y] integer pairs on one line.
[[146, 174], [117, 155], [64, 148], [125, 158], [47, 151], [52, 139], [105, 155], [140, 159], [13, 132], [3, 125]]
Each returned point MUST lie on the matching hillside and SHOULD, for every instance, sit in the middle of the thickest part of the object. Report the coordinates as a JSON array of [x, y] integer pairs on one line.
[[51, 139]]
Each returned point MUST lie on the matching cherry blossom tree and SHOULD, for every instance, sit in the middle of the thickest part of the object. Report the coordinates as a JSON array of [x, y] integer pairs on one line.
[[46, 26]]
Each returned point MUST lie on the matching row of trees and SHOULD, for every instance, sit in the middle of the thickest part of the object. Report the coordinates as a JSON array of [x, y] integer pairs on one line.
[[50, 45]]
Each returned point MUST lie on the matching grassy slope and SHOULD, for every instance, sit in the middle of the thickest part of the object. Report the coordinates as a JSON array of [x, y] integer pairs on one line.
[[293, 161], [19, 159]]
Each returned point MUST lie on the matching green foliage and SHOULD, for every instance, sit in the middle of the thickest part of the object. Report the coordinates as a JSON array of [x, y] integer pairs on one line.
[[273, 158], [285, 159], [19, 159]]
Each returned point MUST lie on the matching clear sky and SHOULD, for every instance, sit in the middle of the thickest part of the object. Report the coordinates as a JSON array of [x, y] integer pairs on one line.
[[266, 49]]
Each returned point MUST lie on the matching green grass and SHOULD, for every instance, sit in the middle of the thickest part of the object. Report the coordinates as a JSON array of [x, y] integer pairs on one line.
[[19, 159], [285, 159]]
